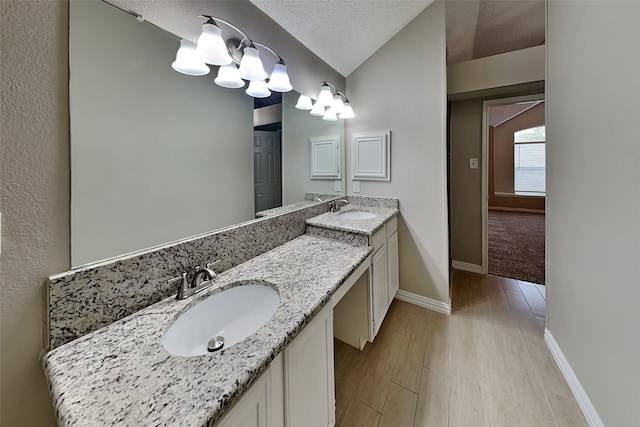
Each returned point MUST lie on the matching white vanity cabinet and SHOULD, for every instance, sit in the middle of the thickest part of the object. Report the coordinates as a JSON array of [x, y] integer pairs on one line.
[[263, 404], [384, 273], [298, 388], [308, 379]]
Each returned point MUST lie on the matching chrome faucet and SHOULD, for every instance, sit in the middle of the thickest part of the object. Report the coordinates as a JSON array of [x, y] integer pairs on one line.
[[335, 205], [202, 279]]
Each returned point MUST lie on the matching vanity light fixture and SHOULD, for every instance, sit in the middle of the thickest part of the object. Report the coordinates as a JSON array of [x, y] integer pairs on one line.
[[325, 97], [331, 104], [211, 45], [188, 61], [213, 49]]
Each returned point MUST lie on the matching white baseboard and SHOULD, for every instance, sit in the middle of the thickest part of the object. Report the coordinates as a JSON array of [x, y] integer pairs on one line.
[[466, 266], [581, 396], [425, 302]]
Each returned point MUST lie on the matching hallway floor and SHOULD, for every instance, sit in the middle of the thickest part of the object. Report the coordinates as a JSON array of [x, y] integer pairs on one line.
[[485, 365]]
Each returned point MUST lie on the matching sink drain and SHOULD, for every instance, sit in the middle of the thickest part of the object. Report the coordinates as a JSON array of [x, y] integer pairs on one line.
[[215, 344]]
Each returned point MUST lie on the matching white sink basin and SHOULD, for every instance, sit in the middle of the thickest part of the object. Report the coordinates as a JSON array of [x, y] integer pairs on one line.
[[234, 314], [357, 215]]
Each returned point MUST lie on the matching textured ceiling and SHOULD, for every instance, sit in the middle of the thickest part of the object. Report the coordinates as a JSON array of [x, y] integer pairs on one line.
[[343, 33], [480, 28]]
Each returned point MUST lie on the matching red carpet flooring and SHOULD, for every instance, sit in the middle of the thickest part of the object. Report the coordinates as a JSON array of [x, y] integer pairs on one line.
[[516, 245]]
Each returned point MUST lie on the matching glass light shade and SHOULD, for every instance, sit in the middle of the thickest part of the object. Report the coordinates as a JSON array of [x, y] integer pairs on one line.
[[228, 76], [330, 115], [279, 80], [258, 89], [188, 61], [211, 46], [317, 110], [337, 104], [251, 67], [304, 103], [347, 111], [325, 98]]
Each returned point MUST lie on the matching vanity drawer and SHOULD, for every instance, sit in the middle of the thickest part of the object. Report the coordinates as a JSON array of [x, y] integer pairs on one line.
[[392, 226], [379, 239]]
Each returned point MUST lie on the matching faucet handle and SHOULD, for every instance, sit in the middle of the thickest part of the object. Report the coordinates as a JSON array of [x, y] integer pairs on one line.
[[184, 284]]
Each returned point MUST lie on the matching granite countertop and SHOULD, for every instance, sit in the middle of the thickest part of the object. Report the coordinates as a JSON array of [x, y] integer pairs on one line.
[[122, 375], [286, 208], [334, 221]]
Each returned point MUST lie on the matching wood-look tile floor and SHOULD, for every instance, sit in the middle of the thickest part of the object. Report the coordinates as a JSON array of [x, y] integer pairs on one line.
[[486, 365]]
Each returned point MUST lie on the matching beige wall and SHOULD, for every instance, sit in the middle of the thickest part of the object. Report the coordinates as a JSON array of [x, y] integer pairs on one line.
[[465, 184], [297, 127], [593, 152], [35, 195], [402, 88], [501, 150], [153, 151]]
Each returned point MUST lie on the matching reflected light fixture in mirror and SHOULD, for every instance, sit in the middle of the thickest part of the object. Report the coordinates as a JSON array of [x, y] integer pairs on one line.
[[212, 49], [337, 102], [304, 103], [258, 89], [229, 77], [188, 61], [317, 110]]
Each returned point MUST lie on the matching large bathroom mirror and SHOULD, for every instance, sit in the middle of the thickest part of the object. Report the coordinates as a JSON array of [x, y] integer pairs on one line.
[[157, 156]]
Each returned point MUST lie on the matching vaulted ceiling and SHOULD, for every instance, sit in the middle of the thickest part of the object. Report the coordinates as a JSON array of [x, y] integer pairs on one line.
[[344, 33]]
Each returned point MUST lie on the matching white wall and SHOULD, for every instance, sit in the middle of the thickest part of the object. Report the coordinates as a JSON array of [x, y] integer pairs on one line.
[[156, 155], [402, 87], [34, 172], [297, 127], [594, 153]]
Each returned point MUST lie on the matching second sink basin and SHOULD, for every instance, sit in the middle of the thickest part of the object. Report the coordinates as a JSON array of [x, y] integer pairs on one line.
[[233, 314], [357, 215]]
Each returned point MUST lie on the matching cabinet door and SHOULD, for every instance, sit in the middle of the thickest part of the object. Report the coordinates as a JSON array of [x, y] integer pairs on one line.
[[379, 287], [393, 272], [309, 388], [260, 405]]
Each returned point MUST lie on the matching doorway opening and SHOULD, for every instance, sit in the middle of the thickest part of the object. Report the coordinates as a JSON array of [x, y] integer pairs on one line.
[[513, 149], [267, 152]]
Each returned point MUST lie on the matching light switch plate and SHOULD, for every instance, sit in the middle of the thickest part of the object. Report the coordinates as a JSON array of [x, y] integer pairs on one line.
[[356, 186], [473, 163]]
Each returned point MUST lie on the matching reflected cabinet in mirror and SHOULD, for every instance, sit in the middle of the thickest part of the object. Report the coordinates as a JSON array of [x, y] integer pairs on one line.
[[158, 156]]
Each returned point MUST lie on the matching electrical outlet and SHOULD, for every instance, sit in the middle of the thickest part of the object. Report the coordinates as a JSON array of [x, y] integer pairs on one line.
[[356, 186], [473, 163], [337, 185]]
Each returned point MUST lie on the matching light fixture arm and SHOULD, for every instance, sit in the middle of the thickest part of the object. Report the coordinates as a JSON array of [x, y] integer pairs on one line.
[[279, 60], [214, 20]]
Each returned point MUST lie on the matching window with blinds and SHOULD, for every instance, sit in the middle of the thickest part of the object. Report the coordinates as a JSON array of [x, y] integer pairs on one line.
[[529, 161]]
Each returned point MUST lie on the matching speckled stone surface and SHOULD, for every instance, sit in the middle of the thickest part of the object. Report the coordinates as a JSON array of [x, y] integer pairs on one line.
[[285, 209], [374, 202], [333, 220], [121, 374], [345, 236], [91, 297], [310, 199]]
